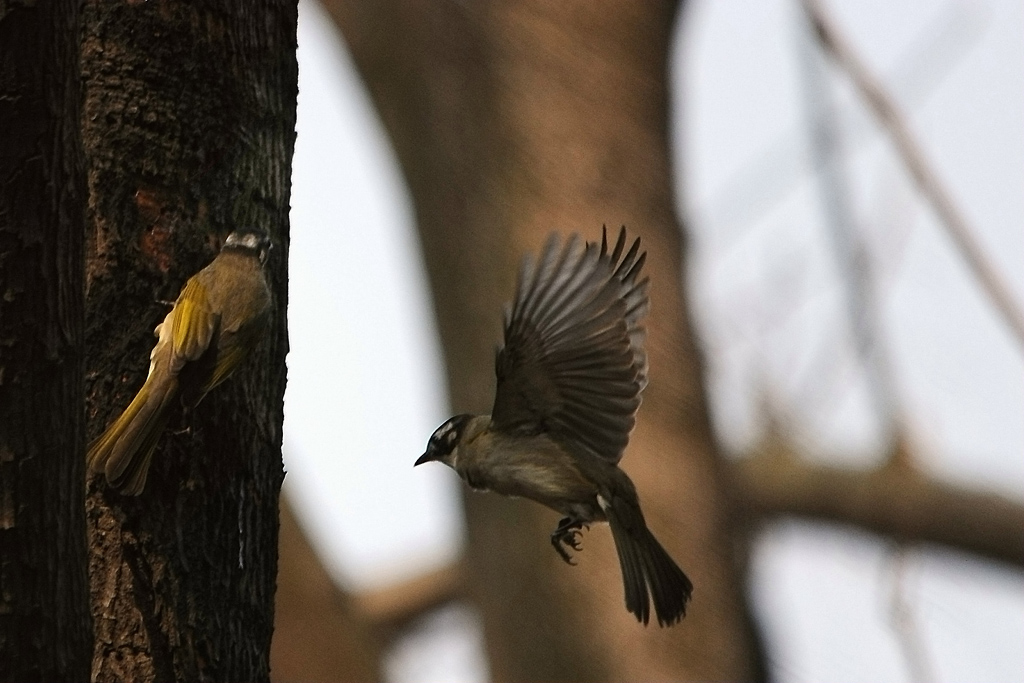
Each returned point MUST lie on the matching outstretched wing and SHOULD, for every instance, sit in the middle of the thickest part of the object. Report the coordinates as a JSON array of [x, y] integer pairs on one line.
[[573, 363]]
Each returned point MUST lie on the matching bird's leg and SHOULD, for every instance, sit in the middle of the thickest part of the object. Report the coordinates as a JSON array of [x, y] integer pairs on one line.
[[567, 532], [187, 423]]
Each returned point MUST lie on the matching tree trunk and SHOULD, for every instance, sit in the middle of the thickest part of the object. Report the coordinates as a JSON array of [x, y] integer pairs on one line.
[[45, 628], [512, 120], [188, 128]]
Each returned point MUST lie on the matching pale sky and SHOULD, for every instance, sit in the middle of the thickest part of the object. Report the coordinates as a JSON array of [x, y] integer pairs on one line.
[[366, 383]]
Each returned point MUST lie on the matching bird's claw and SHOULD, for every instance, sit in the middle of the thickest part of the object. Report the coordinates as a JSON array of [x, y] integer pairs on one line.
[[562, 552], [567, 534]]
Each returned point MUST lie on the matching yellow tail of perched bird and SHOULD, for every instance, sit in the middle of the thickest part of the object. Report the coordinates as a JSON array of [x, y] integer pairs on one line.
[[219, 317]]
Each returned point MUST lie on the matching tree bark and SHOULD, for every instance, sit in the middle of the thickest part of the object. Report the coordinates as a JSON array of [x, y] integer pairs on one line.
[[45, 627], [512, 120], [188, 128]]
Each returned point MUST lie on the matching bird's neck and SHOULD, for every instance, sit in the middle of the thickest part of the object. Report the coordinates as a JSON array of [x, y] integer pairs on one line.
[[475, 427]]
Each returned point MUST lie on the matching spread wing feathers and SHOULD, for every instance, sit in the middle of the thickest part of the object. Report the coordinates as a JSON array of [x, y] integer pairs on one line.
[[573, 362]]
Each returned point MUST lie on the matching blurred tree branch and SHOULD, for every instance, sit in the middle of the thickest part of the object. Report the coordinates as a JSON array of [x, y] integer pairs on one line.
[[393, 609], [849, 249], [906, 625], [920, 170], [320, 632], [894, 500], [775, 173]]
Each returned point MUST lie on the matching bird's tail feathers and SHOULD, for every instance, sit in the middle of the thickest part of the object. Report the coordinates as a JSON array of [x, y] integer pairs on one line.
[[645, 564], [123, 452]]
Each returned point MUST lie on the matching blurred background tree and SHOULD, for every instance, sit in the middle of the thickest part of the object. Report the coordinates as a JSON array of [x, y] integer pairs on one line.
[[832, 279]]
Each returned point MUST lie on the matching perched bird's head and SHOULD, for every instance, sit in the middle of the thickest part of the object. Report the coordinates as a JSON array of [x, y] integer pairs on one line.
[[251, 240], [445, 440]]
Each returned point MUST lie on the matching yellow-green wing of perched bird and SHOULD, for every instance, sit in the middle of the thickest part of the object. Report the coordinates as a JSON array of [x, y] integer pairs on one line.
[[219, 317]]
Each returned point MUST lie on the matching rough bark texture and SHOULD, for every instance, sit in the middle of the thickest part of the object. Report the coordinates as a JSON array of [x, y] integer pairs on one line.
[[319, 633], [188, 127], [45, 628], [512, 120]]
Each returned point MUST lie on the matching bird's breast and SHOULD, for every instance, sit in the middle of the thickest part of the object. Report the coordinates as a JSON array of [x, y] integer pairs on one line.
[[528, 467]]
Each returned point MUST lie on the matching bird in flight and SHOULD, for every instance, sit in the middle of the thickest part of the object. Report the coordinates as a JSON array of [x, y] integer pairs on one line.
[[570, 375]]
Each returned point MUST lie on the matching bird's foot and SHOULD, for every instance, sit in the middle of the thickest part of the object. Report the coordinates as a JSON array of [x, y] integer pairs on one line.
[[568, 534], [187, 423]]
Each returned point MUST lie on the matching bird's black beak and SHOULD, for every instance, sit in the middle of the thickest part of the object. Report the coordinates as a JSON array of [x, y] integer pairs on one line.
[[426, 457]]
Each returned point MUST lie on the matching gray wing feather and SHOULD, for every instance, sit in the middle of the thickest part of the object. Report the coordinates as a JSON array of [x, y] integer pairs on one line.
[[573, 362]]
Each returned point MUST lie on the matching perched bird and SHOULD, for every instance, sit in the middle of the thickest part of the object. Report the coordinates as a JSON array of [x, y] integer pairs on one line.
[[569, 381], [219, 317]]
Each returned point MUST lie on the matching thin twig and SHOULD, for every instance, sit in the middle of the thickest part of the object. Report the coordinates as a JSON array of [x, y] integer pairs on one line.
[[904, 622], [775, 172], [913, 157], [851, 256]]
